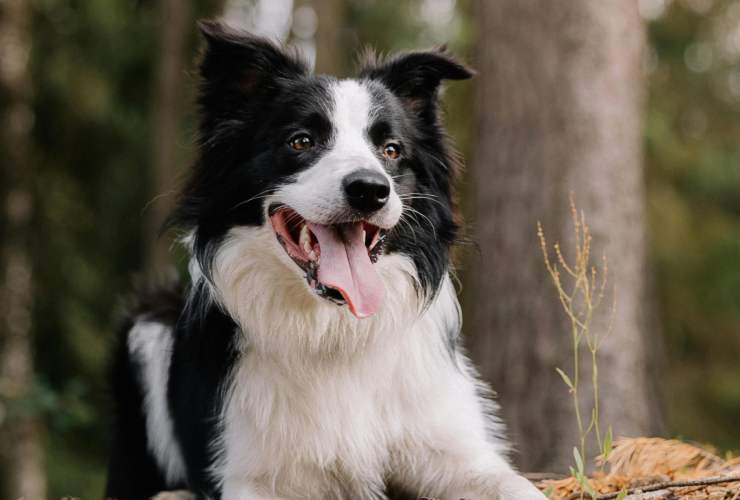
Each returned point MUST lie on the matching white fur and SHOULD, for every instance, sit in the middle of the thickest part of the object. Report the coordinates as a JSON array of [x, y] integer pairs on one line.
[[317, 192], [325, 406], [150, 345], [322, 405]]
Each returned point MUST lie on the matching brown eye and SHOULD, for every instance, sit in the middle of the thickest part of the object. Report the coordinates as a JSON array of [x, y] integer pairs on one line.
[[301, 142], [392, 150]]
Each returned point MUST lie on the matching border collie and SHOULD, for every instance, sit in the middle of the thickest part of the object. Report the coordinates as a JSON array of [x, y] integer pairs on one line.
[[314, 353]]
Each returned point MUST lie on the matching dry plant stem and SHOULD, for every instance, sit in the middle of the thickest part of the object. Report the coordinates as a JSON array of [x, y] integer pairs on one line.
[[579, 327], [583, 298], [589, 286], [665, 485]]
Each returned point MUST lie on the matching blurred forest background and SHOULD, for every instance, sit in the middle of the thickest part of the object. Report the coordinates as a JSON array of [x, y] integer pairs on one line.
[[97, 126]]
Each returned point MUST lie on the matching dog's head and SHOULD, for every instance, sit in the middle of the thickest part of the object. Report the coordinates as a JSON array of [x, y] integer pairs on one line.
[[342, 173]]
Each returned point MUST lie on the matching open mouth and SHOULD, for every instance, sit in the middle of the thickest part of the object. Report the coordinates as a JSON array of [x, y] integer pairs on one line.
[[338, 259]]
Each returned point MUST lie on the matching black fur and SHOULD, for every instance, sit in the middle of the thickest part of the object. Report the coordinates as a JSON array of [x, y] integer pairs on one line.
[[253, 95], [202, 357], [133, 473]]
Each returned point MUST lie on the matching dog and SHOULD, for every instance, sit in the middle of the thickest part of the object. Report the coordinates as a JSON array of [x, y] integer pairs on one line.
[[315, 351]]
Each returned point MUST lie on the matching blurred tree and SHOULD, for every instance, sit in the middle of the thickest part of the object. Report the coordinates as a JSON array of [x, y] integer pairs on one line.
[[93, 68], [93, 73], [560, 95], [175, 24], [693, 153], [330, 15], [22, 452]]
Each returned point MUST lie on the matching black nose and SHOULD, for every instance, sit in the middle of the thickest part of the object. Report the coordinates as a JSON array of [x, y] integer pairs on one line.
[[366, 190]]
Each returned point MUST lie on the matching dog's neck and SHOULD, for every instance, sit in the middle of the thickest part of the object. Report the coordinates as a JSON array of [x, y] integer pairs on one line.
[[257, 285]]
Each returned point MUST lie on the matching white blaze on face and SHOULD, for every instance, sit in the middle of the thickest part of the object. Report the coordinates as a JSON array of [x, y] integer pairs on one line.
[[317, 193], [344, 264]]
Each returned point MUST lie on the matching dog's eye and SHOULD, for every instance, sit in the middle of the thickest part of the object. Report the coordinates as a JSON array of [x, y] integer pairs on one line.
[[301, 142], [392, 150]]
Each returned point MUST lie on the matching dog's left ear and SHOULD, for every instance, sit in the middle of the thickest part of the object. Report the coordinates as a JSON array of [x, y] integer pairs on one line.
[[415, 77], [240, 75], [237, 67]]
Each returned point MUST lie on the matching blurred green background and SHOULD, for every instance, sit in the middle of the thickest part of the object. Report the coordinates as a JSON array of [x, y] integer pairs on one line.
[[92, 70]]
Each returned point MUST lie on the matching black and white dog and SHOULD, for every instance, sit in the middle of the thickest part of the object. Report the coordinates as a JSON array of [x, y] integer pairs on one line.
[[315, 352]]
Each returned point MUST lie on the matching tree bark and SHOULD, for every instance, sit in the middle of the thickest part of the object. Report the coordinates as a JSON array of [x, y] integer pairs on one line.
[[167, 152], [328, 36], [560, 97], [21, 450]]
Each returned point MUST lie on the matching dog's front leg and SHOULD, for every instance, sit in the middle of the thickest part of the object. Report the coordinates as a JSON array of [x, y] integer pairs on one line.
[[507, 485], [244, 489], [471, 474], [515, 485]]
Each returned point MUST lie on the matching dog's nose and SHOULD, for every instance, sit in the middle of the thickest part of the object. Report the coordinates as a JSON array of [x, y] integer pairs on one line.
[[366, 190]]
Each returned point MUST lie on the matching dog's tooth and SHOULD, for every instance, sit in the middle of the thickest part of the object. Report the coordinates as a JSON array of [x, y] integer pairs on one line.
[[312, 255], [364, 235], [375, 240], [305, 239]]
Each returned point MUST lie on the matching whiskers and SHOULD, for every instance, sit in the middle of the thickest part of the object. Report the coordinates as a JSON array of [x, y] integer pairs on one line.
[[421, 196], [259, 196], [293, 219], [413, 217]]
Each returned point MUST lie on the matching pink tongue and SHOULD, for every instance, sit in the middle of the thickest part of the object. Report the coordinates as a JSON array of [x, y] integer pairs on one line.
[[344, 265]]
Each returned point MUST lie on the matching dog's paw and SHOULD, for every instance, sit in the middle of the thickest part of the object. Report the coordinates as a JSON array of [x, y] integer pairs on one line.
[[174, 495], [516, 487]]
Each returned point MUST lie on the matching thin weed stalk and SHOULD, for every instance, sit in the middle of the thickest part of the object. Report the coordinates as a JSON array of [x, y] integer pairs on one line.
[[581, 287]]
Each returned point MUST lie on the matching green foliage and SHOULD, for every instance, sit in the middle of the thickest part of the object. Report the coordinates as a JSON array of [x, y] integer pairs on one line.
[[693, 180], [92, 68], [580, 474], [608, 445], [65, 408]]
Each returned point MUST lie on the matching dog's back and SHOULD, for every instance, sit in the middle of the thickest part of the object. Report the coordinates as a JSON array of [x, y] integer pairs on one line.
[[145, 333], [314, 353]]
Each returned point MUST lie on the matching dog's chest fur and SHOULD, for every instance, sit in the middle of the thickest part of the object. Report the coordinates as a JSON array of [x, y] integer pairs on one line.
[[314, 354], [338, 415]]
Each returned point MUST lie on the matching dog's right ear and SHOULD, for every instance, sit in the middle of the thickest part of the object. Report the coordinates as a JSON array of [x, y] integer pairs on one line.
[[238, 64], [415, 77]]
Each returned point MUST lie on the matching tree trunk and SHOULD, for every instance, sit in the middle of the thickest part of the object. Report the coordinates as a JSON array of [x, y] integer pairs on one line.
[[167, 152], [21, 449], [560, 95], [328, 36]]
